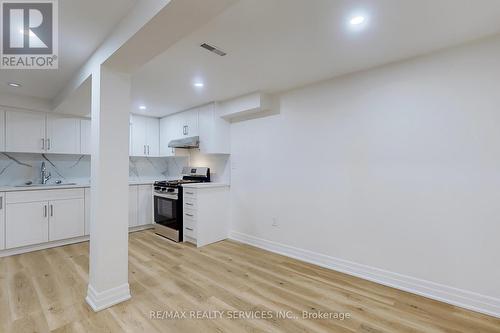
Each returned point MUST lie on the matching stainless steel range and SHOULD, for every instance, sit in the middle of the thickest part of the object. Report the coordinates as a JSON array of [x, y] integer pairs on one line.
[[167, 199]]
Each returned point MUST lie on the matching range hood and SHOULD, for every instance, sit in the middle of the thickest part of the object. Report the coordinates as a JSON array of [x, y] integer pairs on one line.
[[186, 143]]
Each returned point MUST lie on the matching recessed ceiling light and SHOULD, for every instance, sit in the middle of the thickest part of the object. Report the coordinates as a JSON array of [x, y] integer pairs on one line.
[[199, 84], [15, 85], [142, 107], [357, 20]]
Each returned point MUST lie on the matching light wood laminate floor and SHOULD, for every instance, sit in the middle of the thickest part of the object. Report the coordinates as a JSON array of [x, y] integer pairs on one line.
[[44, 291]]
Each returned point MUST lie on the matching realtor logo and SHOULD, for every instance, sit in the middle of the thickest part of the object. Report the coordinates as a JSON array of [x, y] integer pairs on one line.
[[29, 34]]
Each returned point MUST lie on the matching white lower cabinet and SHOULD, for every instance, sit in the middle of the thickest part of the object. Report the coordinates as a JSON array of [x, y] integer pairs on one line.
[[205, 215], [140, 206], [35, 217], [27, 223], [2, 221], [66, 219], [132, 206], [144, 205]]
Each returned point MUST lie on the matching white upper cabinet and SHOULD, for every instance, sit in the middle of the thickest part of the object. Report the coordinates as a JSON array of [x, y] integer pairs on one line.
[[144, 136], [189, 121], [63, 134], [39, 132], [25, 132], [85, 136], [214, 131], [2, 130], [153, 136], [138, 136]]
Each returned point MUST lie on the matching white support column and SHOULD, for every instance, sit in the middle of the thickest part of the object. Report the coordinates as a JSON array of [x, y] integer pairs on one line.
[[108, 276]]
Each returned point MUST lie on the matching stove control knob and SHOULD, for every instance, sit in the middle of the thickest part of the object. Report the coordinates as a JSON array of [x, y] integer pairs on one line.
[[170, 190], [157, 188]]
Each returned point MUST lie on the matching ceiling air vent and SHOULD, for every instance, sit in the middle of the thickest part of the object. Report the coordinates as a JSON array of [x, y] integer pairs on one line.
[[213, 49]]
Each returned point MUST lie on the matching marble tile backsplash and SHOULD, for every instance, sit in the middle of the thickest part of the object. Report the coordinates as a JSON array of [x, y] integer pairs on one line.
[[18, 168]]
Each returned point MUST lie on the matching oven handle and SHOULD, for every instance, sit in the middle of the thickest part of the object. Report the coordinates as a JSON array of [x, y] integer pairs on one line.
[[167, 196]]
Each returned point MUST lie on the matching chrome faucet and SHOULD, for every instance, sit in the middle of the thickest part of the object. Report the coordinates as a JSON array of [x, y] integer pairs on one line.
[[43, 174]]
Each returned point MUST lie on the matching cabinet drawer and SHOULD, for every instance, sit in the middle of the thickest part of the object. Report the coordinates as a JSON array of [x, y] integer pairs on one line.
[[189, 232], [189, 193], [189, 203], [189, 214], [43, 195]]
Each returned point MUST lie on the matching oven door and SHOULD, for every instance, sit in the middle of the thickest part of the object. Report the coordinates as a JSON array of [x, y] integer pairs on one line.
[[166, 216]]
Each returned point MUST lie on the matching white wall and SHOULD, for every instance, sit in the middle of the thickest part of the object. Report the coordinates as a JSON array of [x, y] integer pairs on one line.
[[397, 168]]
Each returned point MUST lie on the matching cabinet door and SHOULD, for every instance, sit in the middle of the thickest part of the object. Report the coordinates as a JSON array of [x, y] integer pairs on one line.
[[145, 205], [87, 211], [132, 206], [25, 132], [66, 219], [63, 134], [2, 130], [138, 136], [165, 137], [2, 221], [153, 136], [85, 136], [214, 131], [26, 224], [190, 122]]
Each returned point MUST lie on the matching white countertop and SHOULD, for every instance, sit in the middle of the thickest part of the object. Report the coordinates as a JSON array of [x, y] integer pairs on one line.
[[205, 185], [37, 187]]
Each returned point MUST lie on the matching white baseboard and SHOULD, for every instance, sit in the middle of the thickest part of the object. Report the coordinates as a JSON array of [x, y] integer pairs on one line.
[[102, 300], [43, 246], [454, 296]]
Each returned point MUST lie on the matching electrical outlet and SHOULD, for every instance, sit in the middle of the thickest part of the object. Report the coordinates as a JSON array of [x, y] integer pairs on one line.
[[275, 222]]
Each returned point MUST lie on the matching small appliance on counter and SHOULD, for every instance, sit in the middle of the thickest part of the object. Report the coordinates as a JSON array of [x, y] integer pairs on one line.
[[167, 201]]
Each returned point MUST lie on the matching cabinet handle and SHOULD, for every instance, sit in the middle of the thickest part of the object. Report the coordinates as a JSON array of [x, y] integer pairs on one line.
[[190, 193], [148, 149], [48, 144], [144, 149], [190, 215], [173, 150], [1, 202], [44, 210], [51, 210], [190, 229], [189, 204], [43, 144]]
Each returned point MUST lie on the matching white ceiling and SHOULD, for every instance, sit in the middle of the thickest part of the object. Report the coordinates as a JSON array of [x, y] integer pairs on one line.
[[83, 26], [275, 45]]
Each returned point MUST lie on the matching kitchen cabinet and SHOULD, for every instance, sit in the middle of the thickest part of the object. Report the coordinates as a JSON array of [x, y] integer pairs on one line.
[[87, 211], [144, 137], [144, 205], [189, 122], [204, 121], [2, 130], [132, 206], [205, 214], [66, 219], [39, 132], [214, 131], [27, 223], [2, 221], [63, 134], [25, 132], [35, 217], [85, 136]]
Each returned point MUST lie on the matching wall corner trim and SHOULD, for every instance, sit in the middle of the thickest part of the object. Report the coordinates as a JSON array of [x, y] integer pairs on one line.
[[102, 300], [454, 296]]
